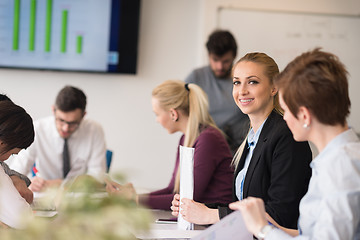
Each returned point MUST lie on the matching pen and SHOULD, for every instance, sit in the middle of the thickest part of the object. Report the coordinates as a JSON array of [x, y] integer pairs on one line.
[[36, 171]]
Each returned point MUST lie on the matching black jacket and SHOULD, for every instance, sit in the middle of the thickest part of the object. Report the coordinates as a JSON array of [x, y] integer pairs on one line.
[[279, 172]]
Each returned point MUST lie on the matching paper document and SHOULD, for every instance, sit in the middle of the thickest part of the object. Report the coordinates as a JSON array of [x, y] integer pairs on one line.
[[186, 182], [44, 201], [48, 214], [230, 227]]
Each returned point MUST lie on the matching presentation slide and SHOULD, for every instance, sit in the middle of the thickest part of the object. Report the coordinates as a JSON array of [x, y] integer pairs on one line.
[[55, 34]]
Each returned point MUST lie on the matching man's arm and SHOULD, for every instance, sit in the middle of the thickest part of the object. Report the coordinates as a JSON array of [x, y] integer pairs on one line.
[[96, 164]]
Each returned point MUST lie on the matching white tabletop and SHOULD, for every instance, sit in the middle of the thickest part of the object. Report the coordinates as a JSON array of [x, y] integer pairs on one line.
[[167, 230]]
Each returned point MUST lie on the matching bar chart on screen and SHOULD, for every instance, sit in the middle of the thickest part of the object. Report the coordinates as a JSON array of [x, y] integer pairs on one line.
[[55, 34]]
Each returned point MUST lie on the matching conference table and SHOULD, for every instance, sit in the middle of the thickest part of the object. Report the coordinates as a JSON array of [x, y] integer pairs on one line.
[[167, 230], [157, 230]]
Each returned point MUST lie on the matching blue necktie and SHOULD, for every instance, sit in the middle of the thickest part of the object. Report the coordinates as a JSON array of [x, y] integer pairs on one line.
[[242, 188], [250, 144], [243, 179]]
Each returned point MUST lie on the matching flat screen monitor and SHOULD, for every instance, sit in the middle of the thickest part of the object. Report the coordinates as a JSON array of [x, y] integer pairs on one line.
[[70, 35]]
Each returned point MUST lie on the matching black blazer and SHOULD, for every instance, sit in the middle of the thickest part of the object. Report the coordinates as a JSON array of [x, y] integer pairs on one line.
[[279, 172]]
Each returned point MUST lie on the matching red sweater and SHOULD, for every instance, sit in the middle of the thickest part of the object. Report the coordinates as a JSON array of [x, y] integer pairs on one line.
[[212, 173]]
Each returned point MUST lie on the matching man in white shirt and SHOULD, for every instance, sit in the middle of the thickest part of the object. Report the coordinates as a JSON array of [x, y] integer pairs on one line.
[[85, 151]]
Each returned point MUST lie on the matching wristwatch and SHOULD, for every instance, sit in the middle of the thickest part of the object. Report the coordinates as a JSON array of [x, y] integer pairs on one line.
[[264, 231]]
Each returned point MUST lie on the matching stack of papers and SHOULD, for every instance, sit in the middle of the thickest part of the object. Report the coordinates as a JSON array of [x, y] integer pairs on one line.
[[186, 182]]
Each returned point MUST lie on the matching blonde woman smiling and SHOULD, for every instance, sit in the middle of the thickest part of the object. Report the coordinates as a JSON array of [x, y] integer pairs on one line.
[[270, 164]]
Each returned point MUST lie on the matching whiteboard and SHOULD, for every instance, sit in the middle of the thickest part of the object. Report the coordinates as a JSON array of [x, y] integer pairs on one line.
[[285, 35]]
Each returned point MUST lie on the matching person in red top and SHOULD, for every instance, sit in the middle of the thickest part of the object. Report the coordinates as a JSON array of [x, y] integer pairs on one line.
[[181, 107]]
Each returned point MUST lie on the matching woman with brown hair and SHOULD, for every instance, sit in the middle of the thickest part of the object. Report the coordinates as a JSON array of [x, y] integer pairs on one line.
[[314, 95], [16, 133]]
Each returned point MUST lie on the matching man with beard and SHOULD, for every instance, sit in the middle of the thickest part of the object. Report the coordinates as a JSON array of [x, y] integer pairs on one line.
[[215, 79]]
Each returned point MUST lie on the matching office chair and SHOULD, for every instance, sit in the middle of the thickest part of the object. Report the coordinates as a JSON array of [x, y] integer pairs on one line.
[[109, 154]]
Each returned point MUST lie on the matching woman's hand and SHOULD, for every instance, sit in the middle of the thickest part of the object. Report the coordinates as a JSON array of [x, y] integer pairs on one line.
[[198, 213], [127, 190], [112, 187], [175, 205], [253, 213]]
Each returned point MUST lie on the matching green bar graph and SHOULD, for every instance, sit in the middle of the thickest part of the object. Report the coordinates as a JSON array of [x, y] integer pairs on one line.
[[64, 28], [48, 25], [16, 25], [48, 28], [79, 42], [32, 25]]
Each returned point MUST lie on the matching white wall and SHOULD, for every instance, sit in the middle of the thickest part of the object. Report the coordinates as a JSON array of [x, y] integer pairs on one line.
[[172, 36], [349, 9], [122, 103]]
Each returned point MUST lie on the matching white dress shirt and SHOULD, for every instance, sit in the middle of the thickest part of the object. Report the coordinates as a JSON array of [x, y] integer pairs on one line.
[[87, 151], [331, 207], [13, 208]]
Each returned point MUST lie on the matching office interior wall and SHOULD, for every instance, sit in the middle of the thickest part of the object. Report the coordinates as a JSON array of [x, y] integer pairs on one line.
[[172, 36], [340, 23], [142, 149]]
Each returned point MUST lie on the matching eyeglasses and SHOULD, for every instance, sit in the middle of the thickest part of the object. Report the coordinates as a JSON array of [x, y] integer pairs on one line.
[[72, 125]]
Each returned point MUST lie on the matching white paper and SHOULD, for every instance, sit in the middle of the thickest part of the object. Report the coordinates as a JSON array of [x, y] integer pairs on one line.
[[44, 201], [186, 182], [230, 227], [48, 214]]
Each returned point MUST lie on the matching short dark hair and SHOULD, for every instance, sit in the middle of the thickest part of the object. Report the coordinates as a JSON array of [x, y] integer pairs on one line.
[[70, 98], [16, 126], [220, 42], [3, 97], [318, 81]]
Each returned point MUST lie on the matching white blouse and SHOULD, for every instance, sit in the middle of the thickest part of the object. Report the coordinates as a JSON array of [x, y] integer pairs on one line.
[[14, 210], [331, 207]]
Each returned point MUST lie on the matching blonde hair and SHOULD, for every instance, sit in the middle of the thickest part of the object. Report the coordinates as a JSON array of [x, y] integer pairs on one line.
[[271, 71], [191, 101]]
